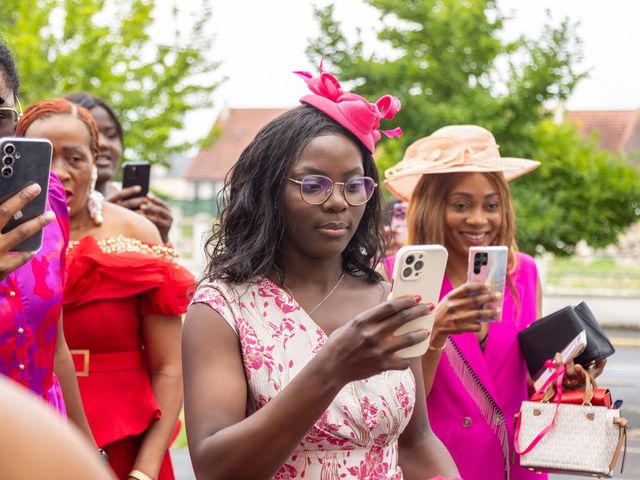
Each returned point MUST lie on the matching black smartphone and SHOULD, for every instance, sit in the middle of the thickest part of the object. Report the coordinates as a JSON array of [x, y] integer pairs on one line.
[[136, 173], [25, 161]]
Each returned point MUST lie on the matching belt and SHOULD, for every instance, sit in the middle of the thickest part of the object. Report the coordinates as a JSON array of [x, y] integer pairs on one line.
[[86, 362]]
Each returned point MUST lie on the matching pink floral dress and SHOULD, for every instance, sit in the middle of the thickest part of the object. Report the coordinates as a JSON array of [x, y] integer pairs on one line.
[[357, 436]]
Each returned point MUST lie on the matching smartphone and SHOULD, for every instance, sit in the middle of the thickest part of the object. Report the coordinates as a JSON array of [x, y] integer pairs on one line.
[[489, 265], [418, 270], [25, 161], [399, 223], [571, 351], [136, 173]]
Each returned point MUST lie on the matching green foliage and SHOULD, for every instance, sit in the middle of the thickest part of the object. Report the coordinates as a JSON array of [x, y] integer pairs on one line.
[[446, 62], [579, 192], [104, 47], [443, 66]]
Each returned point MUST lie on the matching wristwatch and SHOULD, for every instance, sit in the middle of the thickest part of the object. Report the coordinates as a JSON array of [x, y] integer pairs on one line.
[[103, 455]]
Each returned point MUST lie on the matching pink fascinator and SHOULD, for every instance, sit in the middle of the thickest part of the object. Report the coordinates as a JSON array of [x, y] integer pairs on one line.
[[350, 110]]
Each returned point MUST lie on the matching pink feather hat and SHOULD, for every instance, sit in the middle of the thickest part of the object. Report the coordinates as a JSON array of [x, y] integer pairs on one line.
[[350, 110]]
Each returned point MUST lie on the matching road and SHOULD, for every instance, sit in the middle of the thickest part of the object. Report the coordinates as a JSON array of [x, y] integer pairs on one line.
[[621, 375]]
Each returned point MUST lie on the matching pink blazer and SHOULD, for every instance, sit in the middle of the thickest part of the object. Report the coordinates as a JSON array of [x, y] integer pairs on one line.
[[475, 395]]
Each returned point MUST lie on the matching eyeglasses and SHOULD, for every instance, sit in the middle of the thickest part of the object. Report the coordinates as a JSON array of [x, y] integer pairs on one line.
[[9, 119], [316, 189]]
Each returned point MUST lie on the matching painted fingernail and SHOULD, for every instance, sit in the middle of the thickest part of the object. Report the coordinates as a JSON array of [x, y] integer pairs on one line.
[[48, 216], [417, 298], [430, 306], [34, 188]]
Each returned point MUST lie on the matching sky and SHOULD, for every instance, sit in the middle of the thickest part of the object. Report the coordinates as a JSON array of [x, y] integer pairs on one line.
[[260, 42]]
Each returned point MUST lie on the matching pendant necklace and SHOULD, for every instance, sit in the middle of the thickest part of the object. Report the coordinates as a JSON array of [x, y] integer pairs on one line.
[[321, 301]]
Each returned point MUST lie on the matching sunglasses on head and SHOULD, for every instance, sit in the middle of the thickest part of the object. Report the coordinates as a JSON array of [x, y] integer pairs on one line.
[[9, 117], [316, 189]]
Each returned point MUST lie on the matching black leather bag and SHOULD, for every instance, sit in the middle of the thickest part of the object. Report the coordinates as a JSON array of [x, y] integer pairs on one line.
[[541, 340]]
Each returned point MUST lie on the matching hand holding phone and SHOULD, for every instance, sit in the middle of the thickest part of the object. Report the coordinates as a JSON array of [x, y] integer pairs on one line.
[[488, 265], [136, 173], [571, 351], [12, 256], [418, 270], [24, 162]]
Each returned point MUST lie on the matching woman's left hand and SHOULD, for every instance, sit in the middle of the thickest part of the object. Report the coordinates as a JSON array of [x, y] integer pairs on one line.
[[574, 378], [150, 206], [462, 310], [159, 213]]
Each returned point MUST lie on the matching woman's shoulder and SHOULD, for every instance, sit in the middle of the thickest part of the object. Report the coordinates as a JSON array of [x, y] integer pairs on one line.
[[526, 262], [225, 297], [125, 222], [222, 290]]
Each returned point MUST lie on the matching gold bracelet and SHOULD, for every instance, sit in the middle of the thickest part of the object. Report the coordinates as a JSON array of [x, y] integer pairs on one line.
[[439, 349], [138, 475]]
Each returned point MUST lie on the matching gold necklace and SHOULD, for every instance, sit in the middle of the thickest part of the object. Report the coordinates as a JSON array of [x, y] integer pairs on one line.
[[321, 301]]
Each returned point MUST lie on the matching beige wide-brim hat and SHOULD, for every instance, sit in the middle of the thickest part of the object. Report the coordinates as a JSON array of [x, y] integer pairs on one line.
[[452, 149]]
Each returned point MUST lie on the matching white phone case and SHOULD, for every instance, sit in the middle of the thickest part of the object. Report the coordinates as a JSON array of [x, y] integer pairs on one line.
[[489, 265], [418, 270], [571, 351]]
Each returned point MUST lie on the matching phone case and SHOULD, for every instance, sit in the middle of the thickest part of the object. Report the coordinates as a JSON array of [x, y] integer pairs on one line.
[[571, 351], [489, 265], [25, 161], [136, 173], [418, 270]]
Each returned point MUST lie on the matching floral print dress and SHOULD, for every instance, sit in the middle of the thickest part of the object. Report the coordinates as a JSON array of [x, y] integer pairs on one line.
[[357, 436]]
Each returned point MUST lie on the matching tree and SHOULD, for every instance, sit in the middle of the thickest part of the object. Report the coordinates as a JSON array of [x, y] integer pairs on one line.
[[448, 65], [579, 192], [104, 47]]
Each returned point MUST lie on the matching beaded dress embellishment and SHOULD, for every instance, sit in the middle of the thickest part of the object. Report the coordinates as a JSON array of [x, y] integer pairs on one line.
[[121, 244]]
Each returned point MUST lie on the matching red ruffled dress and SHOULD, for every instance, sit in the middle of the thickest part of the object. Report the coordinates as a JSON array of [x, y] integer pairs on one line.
[[111, 285]]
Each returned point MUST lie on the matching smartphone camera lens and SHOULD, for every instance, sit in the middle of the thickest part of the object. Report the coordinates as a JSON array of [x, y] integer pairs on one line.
[[9, 148], [407, 272], [7, 172], [7, 160], [476, 269], [410, 259], [419, 264]]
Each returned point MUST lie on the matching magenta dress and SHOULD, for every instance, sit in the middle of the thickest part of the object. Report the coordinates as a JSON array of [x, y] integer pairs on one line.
[[476, 394], [30, 308]]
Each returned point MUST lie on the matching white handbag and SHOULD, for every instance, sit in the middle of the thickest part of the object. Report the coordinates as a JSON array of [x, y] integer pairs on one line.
[[571, 439]]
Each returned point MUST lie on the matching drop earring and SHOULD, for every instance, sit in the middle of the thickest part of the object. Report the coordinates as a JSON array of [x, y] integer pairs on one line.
[[94, 204]]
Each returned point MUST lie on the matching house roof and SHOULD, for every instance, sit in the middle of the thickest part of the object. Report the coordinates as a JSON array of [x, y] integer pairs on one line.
[[618, 130], [238, 127]]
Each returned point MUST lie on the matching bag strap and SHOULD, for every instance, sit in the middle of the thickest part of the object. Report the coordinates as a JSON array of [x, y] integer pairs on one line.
[[622, 436], [589, 380], [589, 383], [557, 375]]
